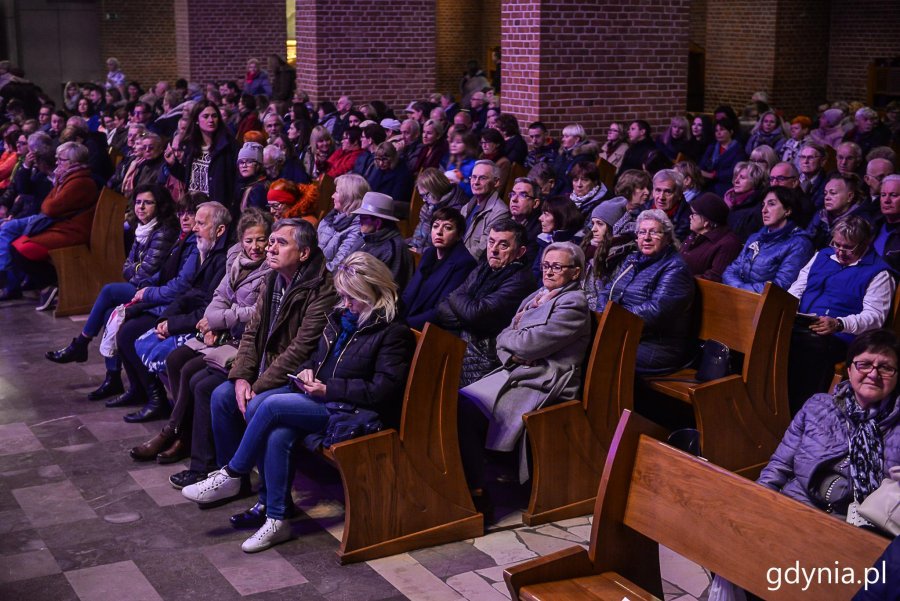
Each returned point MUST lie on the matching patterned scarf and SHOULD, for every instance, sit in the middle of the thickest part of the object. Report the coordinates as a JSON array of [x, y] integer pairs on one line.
[[539, 299], [866, 440]]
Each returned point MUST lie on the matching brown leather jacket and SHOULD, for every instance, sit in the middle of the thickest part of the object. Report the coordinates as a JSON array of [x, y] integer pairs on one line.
[[296, 330]]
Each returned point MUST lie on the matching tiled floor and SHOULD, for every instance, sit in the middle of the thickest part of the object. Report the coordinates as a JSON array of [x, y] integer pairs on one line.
[[80, 520]]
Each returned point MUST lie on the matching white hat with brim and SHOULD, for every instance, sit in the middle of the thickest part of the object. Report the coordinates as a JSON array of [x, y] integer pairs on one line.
[[376, 204]]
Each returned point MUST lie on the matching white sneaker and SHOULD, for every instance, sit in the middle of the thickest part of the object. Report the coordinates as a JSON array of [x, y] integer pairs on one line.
[[218, 486], [271, 533]]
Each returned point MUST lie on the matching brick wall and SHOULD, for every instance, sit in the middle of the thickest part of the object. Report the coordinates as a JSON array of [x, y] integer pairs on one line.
[[465, 30], [570, 61], [368, 49], [140, 36], [861, 30], [697, 33], [214, 38], [800, 69], [740, 51]]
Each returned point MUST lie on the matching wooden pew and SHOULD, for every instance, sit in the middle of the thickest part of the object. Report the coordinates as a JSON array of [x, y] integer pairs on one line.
[[326, 191], [607, 173], [405, 489], [742, 417], [408, 226], [515, 171], [84, 269], [569, 441], [830, 159], [652, 494]]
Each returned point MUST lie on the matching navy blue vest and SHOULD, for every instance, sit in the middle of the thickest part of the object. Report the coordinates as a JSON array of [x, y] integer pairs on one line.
[[838, 291]]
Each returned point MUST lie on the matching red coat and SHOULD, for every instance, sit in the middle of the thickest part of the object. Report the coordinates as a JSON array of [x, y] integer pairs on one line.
[[341, 162], [77, 192]]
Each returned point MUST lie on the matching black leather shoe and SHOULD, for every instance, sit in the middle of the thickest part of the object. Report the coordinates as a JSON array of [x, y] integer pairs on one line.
[[111, 386], [128, 398], [252, 518], [157, 404], [186, 478], [76, 351]]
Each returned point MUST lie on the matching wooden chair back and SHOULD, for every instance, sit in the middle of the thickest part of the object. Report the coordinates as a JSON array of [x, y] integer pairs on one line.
[[408, 226], [679, 158], [607, 172], [326, 191], [725, 523], [515, 171], [566, 471], [107, 232], [830, 159]]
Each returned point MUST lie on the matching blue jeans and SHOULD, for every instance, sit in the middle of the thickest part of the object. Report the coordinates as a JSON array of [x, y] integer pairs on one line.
[[9, 231], [228, 426], [278, 419], [110, 297]]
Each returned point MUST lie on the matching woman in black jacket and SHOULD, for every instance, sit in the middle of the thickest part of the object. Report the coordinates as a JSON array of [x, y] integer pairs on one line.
[[361, 363], [210, 154], [152, 216]]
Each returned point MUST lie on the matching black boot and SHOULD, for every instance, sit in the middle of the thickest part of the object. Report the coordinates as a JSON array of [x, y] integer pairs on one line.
[[111, 386], [129, 397], [76, 351], [157, 404]]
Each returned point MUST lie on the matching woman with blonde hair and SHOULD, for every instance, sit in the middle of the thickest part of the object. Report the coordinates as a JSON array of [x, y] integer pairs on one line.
[[361, 363], [339, 231], [315, 157]]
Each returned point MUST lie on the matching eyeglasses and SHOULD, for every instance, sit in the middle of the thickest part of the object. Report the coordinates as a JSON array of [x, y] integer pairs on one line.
[[652, 233], [144, 203], [480, 178], [554, 267], [514, 195], [780, 179], [844, 249], [866, 367], [246, 162], [379, 159], [808, 157]]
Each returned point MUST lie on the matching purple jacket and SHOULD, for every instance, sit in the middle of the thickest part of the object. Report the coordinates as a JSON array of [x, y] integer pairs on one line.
[[818, 434]]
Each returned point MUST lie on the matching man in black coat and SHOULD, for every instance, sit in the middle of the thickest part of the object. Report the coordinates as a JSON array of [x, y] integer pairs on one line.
[[640, 144], [487, 301], [182, 315]]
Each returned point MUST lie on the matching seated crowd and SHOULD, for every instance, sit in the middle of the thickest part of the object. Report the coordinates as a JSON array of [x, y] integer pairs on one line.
[[249, 305]]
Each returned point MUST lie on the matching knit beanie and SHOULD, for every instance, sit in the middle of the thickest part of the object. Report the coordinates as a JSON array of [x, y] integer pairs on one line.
[[609, 211], [712, 207], [251, 151]]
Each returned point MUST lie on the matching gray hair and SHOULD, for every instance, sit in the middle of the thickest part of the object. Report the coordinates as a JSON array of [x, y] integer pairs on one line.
[[574, 130], [494, 168], [791, 168], [854, 228], [815, 146], [219, 214], [73, 151], [756, 173], [304, 233], [890, 179], [574, 251], [414, 125], [867, 113], [40, 143], [854, 148], [274, 153], [670, 175], [662, 219], [437, 125]]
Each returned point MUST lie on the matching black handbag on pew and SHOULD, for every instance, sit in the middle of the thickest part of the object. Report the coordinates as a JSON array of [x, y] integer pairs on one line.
[[715, 361]]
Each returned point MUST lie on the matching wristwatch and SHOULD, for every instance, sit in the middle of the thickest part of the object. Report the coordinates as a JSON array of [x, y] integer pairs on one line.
[[840, 324]]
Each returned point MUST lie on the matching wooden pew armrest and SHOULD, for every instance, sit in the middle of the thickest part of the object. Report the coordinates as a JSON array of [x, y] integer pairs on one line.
[[571, 562]]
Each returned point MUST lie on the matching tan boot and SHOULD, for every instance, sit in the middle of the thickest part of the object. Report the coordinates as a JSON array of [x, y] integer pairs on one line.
[[176, 452]]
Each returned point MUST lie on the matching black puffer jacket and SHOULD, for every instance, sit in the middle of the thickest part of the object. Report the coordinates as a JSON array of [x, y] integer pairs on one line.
[[186, 310], [480, 309], [388, 246], [146, 259], [372, 368]]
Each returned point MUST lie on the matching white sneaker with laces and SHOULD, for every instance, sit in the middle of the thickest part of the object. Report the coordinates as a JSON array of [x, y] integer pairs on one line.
[[217, 487], [270, 533]]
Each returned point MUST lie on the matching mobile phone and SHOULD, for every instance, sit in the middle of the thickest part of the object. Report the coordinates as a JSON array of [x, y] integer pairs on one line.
[[295, 378]]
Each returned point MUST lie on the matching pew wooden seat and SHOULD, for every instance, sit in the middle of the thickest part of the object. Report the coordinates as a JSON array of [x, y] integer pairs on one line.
[[652, 494], [83, 270], [408, 226], [515, 171], [326, 191], [607, 172], [405, 489], [741, 417], [569, 440]]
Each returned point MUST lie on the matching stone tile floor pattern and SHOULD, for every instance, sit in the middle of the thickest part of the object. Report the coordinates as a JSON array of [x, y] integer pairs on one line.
[[79, 520]]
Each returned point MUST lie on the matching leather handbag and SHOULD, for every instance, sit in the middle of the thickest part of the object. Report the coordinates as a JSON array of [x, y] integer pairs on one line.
[[715, 361], [882, 507], [346, 421]]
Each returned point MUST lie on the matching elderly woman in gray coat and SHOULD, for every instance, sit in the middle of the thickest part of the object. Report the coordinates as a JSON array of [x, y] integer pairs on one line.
[[223, 322], [339, 231], [542, 351]]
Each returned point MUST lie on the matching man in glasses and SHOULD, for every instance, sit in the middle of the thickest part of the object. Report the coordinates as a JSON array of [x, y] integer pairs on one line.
[[485, 209], [811, 161], [848, 289]]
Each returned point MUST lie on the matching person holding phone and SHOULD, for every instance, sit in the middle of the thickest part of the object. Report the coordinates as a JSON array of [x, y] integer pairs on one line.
[[362, 361]]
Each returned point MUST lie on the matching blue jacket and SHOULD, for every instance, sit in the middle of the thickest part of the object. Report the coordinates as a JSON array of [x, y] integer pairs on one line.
[[768, 256], [176, 274], [660, 291], [722, 165], [835, 290], [817, 435], [396, 183], [144, 260], [432, 282]]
